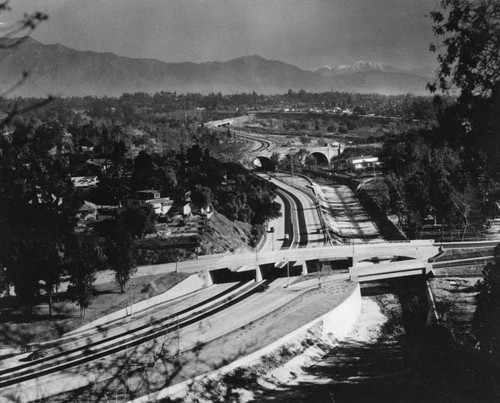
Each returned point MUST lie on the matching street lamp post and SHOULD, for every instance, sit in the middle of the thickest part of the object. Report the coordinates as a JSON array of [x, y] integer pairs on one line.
[[130, 293], [271, 230], [287, 272]]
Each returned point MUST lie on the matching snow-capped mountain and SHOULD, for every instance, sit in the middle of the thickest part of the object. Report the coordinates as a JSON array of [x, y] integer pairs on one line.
[[362, 66]]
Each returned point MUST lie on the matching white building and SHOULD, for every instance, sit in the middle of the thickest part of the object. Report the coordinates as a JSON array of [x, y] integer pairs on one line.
[[362, 162], [161, 205]]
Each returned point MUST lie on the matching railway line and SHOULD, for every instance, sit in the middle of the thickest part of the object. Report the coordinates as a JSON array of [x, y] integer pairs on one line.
[[263, 145]]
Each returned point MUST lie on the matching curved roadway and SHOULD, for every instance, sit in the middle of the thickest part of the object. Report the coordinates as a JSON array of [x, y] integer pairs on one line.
[[305, 222]]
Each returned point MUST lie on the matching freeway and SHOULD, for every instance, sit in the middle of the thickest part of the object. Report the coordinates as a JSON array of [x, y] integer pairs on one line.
[[86, 347], [275, 236], [291, 220], [305, 224], [183, 336]]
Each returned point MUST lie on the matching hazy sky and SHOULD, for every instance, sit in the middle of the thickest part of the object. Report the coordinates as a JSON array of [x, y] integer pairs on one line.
[[307, 33]]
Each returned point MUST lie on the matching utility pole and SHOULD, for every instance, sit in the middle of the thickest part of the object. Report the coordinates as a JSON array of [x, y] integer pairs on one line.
[[287, 272], [130, 293], [178, 337]]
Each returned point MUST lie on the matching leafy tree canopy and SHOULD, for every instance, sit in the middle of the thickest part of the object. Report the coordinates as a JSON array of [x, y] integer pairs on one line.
[[468, 34]]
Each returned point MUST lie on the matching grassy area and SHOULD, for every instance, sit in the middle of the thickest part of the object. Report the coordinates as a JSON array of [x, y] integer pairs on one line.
[[18, 329]]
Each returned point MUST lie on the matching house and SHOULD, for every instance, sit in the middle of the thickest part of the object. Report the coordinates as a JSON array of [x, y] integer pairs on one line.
[[207, 211], [188, 209], [84, 182], [362, 162], [102, 164], [87, 212], [161, 205]]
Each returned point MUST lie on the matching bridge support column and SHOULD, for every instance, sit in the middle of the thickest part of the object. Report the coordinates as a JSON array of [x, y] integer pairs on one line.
[[258, 273], [304, 268], [207, 278]]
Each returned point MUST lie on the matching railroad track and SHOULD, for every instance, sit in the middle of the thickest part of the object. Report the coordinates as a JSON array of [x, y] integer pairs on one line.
[[264, 144]]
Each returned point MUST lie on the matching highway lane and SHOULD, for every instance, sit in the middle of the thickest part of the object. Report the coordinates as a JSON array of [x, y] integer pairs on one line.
[[275, 236], [210, 327], [88, 350], [291, 221], [310, 228], [82, 338]]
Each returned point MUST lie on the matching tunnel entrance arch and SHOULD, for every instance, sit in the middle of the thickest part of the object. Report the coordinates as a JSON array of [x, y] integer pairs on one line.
[[264, 164], [316, 158]]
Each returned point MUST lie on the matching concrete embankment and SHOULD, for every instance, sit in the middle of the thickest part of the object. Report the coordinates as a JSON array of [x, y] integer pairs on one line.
[[334, 324]]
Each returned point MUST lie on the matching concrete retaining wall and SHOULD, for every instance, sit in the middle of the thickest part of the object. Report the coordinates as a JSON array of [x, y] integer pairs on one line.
[[335, 324], [432, 315]]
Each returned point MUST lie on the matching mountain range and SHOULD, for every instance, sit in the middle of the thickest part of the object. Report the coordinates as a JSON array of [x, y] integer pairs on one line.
[[365, 67], [62, 71]]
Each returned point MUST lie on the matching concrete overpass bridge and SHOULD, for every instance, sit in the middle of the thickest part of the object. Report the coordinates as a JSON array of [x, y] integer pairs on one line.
[[227, 122], [254, 265], [321, 155], [262, 264]]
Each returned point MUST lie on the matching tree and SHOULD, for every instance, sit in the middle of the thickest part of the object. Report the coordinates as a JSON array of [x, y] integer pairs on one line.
[[275, 158], [138, 221], [305, 139], [85, 259], [38, 206], [118, 250], [325, 270], [194, 155], [469, 31], [486, 321], [150, 172], [201, 196], [422, 178], [468, 35]]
